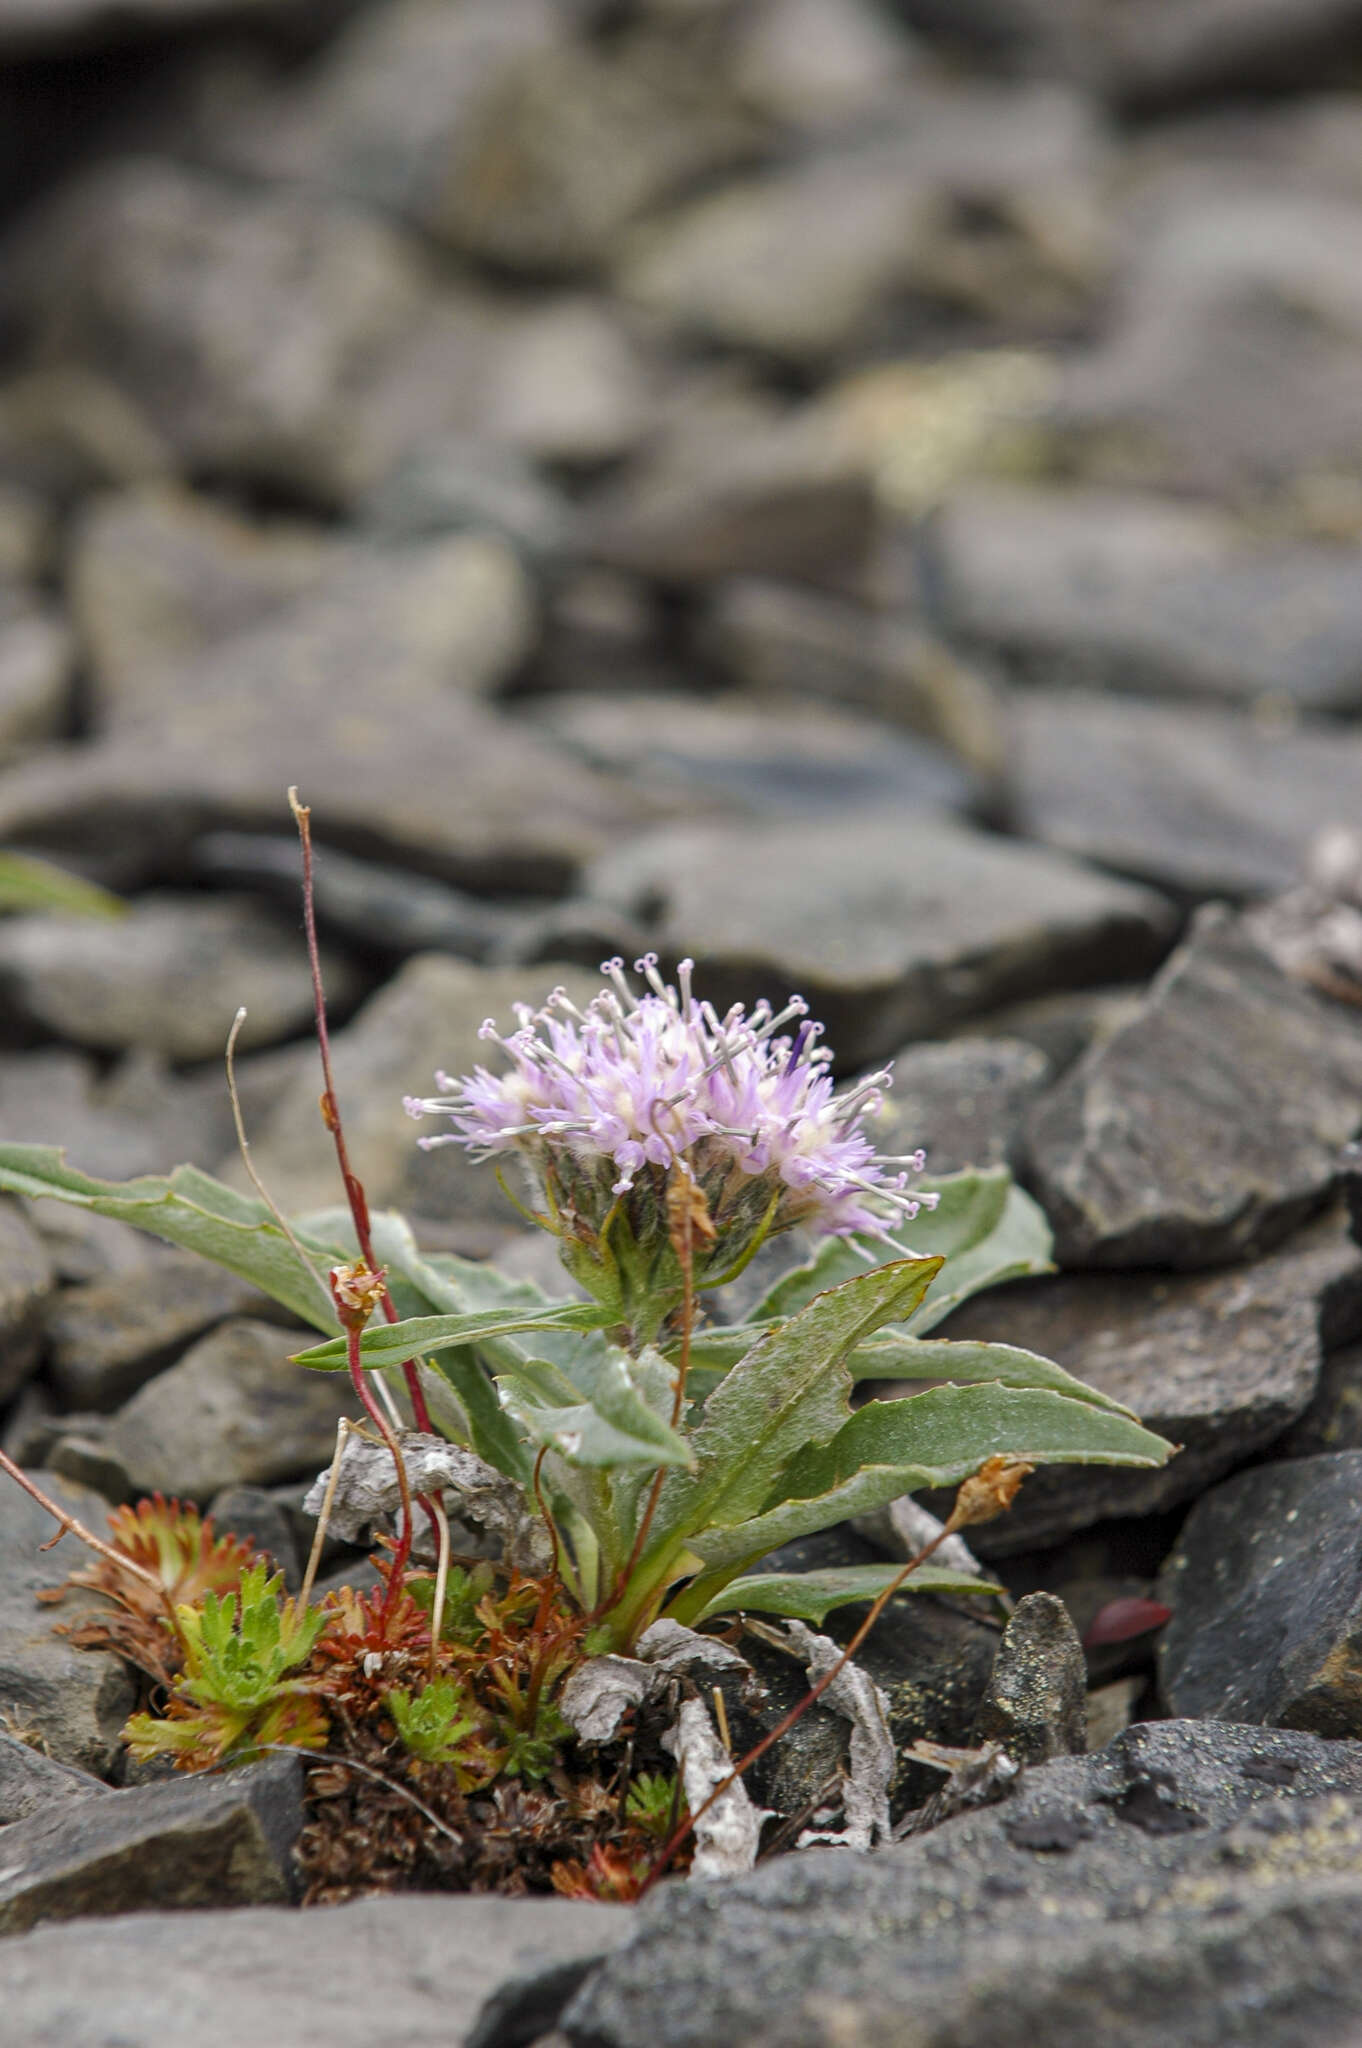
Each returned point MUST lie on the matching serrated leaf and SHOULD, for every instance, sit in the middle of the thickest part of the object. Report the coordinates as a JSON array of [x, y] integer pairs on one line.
[[890, 1355], [590, 1405], [934, 1439], [791, 1389], [385, 1344], [191, 1209], [811, 1596]]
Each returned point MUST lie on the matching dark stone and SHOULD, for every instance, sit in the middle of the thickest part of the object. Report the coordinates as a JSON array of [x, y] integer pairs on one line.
[[233, 1412], [31, 1782], [1265, 1585], [415, 1970], [1147, 1934], [257, 1517], [1219, 1363], [1333, 1421], [1036, 1699], [193, 1841], [73, 1702], [26, 1283], [1202, 1130], [1199, 802], [109, 1338], [962, 1102], [893, 927]]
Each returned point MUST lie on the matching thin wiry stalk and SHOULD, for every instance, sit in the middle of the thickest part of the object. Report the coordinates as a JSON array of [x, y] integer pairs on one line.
[[343, 1429], [243, 1147]]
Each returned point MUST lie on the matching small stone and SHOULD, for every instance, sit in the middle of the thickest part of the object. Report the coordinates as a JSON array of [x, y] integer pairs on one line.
[[1202, 1130], [84, 1456], [962, 1102], [27, 1280], [108, 1338], [72, 1702], [427, 1018], [1199, 802], [1036, 1699], [233, 1412], [1219, 1363], [1133, 593], [1267, 1600], [893, 928], [197, 1841], [31, 1782], [169, 976], [415, 1969], [259, 1518]]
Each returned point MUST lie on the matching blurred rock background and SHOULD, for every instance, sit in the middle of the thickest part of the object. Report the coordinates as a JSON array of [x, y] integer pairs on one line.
[[866, 493]]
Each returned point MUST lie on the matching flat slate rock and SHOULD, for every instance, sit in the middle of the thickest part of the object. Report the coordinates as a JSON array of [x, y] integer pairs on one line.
[[1205, 1128], [31, 1782], [413, 1970], [202, 1840], [1101, 588], [73, 1702], [893, 927], [1266, 1591], [106, 1339], [233, 1412], [27, 1279], [962, 1102], [1219, 1363], [1192, 1881], [1197, 801]]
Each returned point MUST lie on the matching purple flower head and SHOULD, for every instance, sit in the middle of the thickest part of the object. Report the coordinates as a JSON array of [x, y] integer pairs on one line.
[[602, 1103]]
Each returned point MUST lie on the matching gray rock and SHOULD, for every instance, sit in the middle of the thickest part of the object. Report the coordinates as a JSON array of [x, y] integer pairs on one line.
[[1267, 1601], [416, 1969], [196, 1841], [275, 314], [820, 65], [427, 1018], [458, 483], [45, 28], [575, 143], [37, 674], [439, 782], [72, 1702], [775, 638], [1062, 1026], [1233, 366], [893, 928], [1333, 1421], [1202, 1130], [259, 1518], [1200, 802], [962, 1102], [1036, 1703], [26, 1283], [157, 575], [109, 1337], [781, 757], [1219, 1363], [1197, 1882], [739, 490], [1164, 52], [169, 976], [233, 1412], [1105, 589], [31, 1782]]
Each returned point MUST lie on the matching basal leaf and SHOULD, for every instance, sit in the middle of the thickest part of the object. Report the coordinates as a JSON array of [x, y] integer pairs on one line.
[[790, 1390], [385, 1344], [592, 1406], [811, 1596], [191, 1209], [938, 1438], [890, 1355]]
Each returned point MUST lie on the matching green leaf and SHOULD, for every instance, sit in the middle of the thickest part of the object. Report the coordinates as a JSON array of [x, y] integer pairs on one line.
[[190, 1209], [890, 1355], [790, 1390], [29, 884], [889, 1448], [591, 1406], [1014, 1243], [385, 1344], [811, 1596]]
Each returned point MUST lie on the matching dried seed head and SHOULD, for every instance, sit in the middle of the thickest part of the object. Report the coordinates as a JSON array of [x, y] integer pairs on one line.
[[357, 1291], [989, 1492]]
